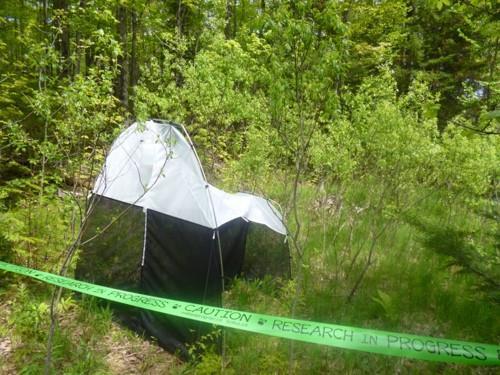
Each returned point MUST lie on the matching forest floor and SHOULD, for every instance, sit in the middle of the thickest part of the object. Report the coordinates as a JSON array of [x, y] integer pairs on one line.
[[118, 350]]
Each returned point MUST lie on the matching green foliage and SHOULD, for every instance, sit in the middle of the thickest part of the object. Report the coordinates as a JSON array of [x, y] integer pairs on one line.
[[469, 163], [389, 307], [469, 245], [254, 164], [30, 322], [334, 151], [217, 100], [38, 234]]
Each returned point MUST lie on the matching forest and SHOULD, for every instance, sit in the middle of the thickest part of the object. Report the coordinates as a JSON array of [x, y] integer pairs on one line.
[[373, 123]]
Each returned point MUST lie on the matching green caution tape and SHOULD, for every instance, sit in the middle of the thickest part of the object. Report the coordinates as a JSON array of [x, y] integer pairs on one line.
[[367, 340]]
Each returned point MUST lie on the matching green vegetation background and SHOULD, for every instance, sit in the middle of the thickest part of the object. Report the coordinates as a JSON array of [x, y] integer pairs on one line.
[[374, 124]]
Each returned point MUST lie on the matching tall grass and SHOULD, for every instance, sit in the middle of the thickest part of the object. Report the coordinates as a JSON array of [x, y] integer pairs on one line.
[[416, 280], [407, 286]]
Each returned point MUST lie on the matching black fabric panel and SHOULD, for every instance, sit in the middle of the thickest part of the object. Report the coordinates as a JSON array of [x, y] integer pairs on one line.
[[113, 257], [233, 240], [182, 262], [179, 254], [266, 254]]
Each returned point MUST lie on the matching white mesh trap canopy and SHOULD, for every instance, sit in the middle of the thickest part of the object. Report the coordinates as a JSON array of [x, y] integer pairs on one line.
[[152, 165]]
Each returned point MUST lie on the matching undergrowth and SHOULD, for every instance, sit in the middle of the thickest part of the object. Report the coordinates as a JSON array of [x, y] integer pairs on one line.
[[86, 340], [419, 280], [412, 284]]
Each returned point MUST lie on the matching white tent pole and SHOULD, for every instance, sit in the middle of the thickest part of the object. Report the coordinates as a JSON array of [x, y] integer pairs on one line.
[[211, 204], [216, 234]]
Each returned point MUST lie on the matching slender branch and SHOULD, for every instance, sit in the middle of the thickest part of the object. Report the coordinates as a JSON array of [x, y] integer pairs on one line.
[[482, 131]]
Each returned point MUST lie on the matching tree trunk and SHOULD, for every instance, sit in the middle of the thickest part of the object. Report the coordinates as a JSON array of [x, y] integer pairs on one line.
[[229, 15], [121, 87], [45, 12], [134, 71], [178, 17], [62, 40], [78, 50], [235, 18]]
